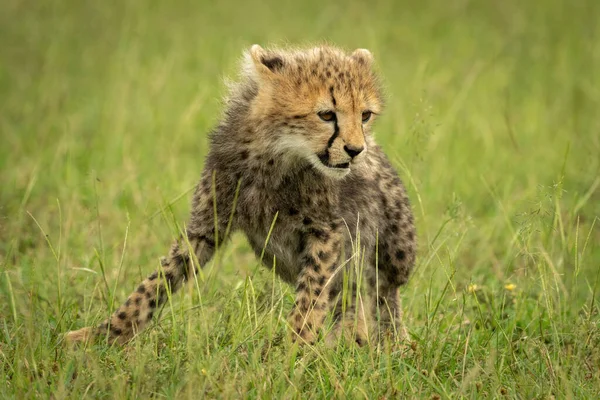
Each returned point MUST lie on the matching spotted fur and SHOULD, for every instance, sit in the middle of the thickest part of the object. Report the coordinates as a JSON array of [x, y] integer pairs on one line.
[[295, 146]]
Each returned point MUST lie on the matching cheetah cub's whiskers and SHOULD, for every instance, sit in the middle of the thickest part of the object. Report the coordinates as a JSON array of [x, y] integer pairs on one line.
[[295, 141]]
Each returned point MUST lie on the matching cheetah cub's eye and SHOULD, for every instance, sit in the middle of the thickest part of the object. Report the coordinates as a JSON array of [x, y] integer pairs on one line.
[[366, 115], [327, 116]]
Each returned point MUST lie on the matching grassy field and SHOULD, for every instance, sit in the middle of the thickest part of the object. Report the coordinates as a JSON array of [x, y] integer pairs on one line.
[[493, 121]]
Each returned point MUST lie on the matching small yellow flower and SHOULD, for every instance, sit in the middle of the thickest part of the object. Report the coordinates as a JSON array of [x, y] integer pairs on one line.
[[203, 371], [510, 287], [472, 288]]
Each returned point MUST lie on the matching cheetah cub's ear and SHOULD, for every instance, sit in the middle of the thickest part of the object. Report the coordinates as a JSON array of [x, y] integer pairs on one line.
[[265, 63], [363, 57]]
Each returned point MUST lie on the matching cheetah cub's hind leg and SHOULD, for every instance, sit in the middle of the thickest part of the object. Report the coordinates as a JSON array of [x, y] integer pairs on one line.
[[395, 260], [387, 311], [351, 323]]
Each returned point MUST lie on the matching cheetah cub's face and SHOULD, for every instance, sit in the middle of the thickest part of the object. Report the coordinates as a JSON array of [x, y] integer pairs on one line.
[[317, 105]]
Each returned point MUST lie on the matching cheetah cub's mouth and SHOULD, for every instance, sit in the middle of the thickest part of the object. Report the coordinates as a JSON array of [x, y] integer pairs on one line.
[[323, 163], [324, 158]]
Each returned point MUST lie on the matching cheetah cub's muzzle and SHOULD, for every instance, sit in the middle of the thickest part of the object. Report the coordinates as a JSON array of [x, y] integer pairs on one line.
[[354, 156], [347, 145]]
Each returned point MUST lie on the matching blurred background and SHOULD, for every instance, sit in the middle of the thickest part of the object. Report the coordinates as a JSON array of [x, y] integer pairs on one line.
[[492, 121]]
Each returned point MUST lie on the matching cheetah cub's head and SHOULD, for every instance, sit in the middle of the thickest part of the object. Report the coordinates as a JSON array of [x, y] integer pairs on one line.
[[315, 105]]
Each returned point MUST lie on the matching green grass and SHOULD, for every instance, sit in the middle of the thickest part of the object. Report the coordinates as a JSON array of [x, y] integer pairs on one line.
[[492, 120]]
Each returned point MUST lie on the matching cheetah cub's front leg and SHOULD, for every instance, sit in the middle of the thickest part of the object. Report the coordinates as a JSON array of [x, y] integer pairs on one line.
[[318, 258], [137, 312], [196, 249]]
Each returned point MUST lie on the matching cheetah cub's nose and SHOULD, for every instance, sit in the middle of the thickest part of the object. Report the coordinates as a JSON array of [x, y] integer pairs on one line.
[[353, 151]]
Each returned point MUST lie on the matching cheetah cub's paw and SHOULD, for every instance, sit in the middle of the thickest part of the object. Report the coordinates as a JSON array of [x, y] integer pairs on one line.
[[302, 332], [79, 336]]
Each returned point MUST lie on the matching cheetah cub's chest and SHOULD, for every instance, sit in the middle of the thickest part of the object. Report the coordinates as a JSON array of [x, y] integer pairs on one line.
[[275, 218]]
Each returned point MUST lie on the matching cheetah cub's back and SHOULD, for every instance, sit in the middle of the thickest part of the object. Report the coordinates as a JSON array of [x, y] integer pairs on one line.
[[295, 153]]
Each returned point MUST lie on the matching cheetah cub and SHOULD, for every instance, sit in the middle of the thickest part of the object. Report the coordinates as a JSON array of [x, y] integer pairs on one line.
[[294, 156]]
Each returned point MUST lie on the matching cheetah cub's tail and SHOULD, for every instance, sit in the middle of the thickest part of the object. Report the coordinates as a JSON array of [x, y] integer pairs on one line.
[[133, 315]]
